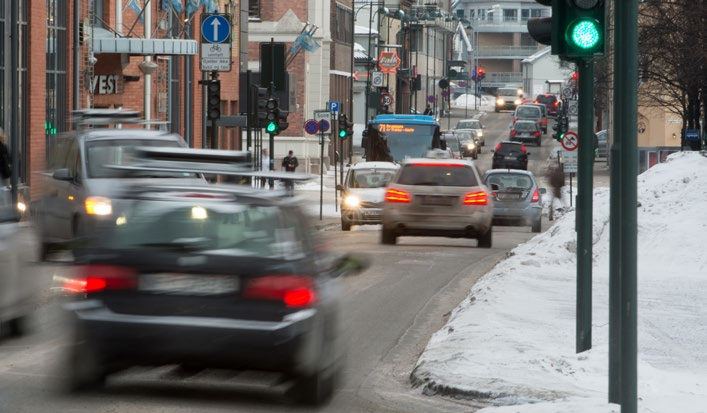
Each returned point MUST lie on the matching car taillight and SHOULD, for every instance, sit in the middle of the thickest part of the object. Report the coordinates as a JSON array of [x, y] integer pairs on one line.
[[513, 133], [522, 149], [397, 196], [556, 104], [537, 134], [476, 198], [514, 119], [95, 278], [292, 290], [498, 147], [536, 196]]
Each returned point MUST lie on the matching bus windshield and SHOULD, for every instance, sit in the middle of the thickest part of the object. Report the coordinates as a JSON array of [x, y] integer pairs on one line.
[[397, 141]]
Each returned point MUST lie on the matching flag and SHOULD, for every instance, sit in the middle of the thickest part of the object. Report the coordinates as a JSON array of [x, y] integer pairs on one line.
[[176, 5], [304, 41], [192, 6], [210, 5], [137, 8]]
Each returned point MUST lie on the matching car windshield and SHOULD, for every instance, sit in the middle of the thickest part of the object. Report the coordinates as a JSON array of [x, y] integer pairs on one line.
[[509, 181], [437, 174], [121, 152], [524, 126], [370, 178], [507, 92], [469, 124], [510, 148], [527, 111], [210, 227]]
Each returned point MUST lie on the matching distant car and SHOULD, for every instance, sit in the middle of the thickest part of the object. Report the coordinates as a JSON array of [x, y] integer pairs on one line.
[[469, 145], [437, 197], [550, 101], [507, 99], [534, 112], [19, 256], [363, 191], [511, 155], [79, 182], [453, 143], [602, 144], [517, 199], [526, 131], [208, 277], [476, 126]]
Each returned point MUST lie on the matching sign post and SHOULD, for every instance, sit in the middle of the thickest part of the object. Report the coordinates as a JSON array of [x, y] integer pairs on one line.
[[215, 57]]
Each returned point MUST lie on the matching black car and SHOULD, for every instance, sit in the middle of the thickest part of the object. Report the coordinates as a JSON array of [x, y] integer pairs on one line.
[[526, 131], [510, 155], [208, 276]]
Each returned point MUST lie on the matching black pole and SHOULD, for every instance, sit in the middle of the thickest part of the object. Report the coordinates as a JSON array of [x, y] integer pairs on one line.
[[14, 97], [351, 79], [250, 109], [321, 174]]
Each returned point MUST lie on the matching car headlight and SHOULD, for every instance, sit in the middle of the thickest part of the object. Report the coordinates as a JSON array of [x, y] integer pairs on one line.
[[98, 205], [501, 102], [352, 201], [518, 101], [471, 145]]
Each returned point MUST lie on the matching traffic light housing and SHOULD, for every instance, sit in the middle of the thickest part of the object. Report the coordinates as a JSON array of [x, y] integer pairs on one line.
[[262, 106], [272, 120], [561, 127], [480, 74], [576, 29], [345, 127], [213, 98]]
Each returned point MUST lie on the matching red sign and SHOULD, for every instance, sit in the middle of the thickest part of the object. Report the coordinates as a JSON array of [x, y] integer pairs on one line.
[[570, 141], [388, 62]]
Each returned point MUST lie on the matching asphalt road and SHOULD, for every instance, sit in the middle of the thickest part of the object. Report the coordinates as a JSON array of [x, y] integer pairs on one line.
[[390, 312]]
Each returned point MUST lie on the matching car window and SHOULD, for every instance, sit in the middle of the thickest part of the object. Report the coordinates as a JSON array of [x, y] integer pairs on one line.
[[509, 181], [528, 111], [437, 174], [509, 148], [223, 228], [59, 149], [101, 153], [370, 178], [469, 124], [546, 99], [524, 126]]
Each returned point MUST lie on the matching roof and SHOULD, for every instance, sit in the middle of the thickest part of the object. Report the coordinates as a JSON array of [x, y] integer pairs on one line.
[[376, 165], [537, 55]]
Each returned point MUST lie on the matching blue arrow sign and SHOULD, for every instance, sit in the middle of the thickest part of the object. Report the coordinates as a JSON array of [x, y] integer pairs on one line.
[[216, 28]]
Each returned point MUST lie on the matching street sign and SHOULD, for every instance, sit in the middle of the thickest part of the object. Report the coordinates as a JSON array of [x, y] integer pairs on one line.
[[570, 141], [569, 161], [692, 135], [311, 126], [215, 57], [377, 79], [323, 119], [333, 106], [572, 107], [567, 93], [386, 99], [215, 28]]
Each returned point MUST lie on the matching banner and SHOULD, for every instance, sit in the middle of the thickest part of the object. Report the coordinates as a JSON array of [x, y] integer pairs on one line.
[[137, 8]]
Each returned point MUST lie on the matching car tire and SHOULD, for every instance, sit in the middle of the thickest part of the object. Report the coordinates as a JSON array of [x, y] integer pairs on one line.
[[539, 142], [345, 226], [537, 225], [485, 239], [313, 390], [388, 237], [83, 366]]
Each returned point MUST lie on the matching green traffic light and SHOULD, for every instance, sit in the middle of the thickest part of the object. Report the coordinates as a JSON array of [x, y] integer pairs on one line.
[[584, 34], [342, 134], [272, 127]]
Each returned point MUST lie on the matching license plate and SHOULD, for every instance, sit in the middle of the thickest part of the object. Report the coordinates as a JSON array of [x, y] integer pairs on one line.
[[510, 157], [188, 284], [508, 197], [372, 213], [437, 200]]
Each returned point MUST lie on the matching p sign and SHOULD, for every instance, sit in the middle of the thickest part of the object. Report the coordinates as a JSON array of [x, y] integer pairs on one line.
[[333, 106]]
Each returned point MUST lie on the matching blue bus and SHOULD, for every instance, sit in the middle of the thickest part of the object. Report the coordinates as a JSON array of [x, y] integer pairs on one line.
[[392, 138]]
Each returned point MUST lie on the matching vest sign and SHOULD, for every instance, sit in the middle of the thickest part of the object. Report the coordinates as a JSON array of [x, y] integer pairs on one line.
[[107, 84], [388, 62]]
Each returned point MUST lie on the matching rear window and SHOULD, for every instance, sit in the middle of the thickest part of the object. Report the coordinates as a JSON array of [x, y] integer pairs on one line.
[[510, 181], [527, 111], [546, 99], [469, 124], [524, 126], [370, 178], [437, 174], [510, 148]]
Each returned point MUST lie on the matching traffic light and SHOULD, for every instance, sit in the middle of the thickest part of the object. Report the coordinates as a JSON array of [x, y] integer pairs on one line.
[[213, 90], [282, 121], [576, 29], [262, 106], [561, 127], [480, 74], [272, 121], [345, 127]]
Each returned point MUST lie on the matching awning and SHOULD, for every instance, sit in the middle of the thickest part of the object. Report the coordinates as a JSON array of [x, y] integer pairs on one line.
[[146, 46]]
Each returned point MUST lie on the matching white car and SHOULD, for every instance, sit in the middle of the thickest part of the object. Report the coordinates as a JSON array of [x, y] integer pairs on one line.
[[363, 191], [474, 125]]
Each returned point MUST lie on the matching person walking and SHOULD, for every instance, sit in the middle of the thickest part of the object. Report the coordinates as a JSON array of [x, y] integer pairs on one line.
[[264, 166], [428, 110], [290, 164], [5, 162]]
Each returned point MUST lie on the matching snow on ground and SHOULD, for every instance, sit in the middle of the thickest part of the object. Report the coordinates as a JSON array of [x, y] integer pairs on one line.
[[485, 103], [513, 339]]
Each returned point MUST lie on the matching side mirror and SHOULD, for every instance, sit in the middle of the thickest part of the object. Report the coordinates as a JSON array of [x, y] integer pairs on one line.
[[543, 191], [62, 174]]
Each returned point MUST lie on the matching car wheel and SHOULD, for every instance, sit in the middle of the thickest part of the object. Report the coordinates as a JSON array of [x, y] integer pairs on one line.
[[313, 390], [388, 237], [539, 142], [83, 366], [476, 156], [485, 240], [537, 225], [345, 226], [17, 327]]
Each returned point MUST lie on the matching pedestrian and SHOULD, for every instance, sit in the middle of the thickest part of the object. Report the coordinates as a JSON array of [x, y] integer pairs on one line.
[[265, 166], [5, 171], [290, 163], [428, 110]]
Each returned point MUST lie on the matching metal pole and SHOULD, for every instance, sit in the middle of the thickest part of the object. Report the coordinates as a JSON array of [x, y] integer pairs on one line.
[[585, 189], [351, 104], [14, 97], [336, 145], [321, 174], [250, 105]]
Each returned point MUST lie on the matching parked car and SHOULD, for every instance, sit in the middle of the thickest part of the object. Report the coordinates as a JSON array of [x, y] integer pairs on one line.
[[475, 125], [363, 191], [511, 155], [435, 196], [209, 276], [550, 101], [532, 111], [80, 182], [602, 144], [517, 199], [19, 282], [526, 130]]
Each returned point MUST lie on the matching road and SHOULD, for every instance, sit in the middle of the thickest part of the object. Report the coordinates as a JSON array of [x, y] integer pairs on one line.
[[390, 310]]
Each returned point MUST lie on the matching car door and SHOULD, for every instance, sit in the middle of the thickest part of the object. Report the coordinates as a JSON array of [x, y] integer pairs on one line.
[[55, 205]]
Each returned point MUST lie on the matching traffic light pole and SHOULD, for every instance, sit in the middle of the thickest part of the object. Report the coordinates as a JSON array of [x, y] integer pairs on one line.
[[214, 131], [585, 190]]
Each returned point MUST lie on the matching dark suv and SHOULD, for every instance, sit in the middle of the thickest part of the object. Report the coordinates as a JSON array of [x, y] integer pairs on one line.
[[550, 101], [511, 155]]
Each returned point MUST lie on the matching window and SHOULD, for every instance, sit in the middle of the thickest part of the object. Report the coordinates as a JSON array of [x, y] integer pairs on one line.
[[510, 15], [442, 175], [343, 30], [254, 9], [57, 53]]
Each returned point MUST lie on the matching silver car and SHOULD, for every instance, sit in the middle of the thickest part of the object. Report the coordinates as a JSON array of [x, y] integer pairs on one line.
[[517, 199], [363, 191], [474, 125], [438, 197]]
